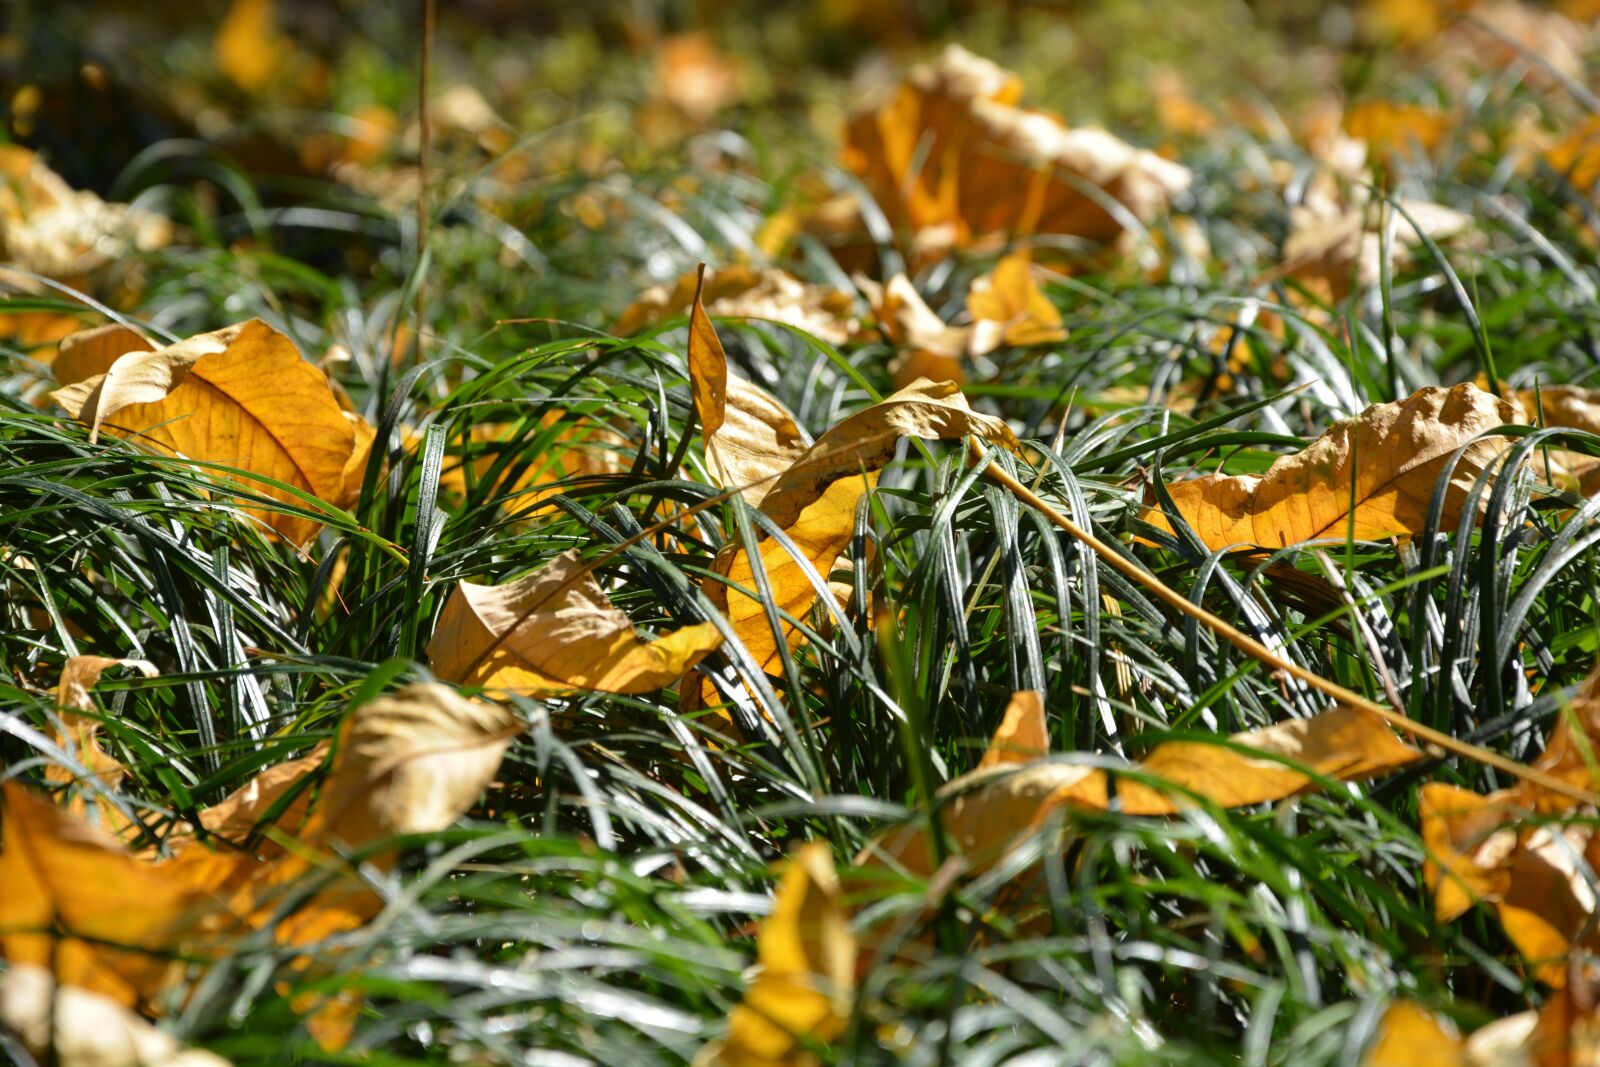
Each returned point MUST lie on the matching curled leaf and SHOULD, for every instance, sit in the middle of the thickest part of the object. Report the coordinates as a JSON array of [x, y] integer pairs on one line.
[[741, 292], [807, 958], [87, 353], [1008, 308], [749, 436], [411, 762], [1372, 475], [952, 158], [867, 440], [240, 396], [555, 631], [47, 227], [814, 502]]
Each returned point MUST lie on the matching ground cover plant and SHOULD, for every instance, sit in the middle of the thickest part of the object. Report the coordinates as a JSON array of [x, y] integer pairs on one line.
[[851, 533]]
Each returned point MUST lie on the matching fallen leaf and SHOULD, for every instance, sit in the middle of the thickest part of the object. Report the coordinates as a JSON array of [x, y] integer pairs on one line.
[[807, 958], [80, 735], [814, 502], [1398, 130], [741, 292], [820, 533], [412, 762], [238, 815], [555, 631], [49, 228], [1338, 249], [1498, 849], [985, 811], [750, 438], [87, 353], [1569, 407], [1410, 1035], [73, 1027], [248, 47], [929, 347], [1561, 1034], [1371, 476], [1577, 156], [952, 158], [694, 76], [1024, 733], [118, 918], [867, 440], [1009, 309], [240, 396]]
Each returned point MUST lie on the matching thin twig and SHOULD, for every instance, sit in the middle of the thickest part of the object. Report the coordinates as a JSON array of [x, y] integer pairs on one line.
[[424, 147]]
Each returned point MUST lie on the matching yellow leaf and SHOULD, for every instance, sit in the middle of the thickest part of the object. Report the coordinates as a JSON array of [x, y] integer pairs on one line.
[[555, 631], [814, 503], [929, 347], [708, 365], [47, 227], [118, 917], [87, 353], [1023, 736], [1008, 308], [248, 47], [986, 811], [72, 1027], [821, 533], [412, 762], [1396, 129], [1337, 248], [750, 437], [741, 292], [1412, 1036], [952, 158], [1467, 846], [1346, 744], [80, 734], [240, 396], [867, 440], [1372, 475], [807, 958], [237, 816], [1569, 407]]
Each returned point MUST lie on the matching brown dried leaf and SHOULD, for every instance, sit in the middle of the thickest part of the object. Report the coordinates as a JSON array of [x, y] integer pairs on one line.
[[750, 438], [240, 396], [1371, 476], [807, 956], [555, 631]]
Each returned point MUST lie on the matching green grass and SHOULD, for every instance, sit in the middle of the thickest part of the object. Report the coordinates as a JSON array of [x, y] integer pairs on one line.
[[599, 907]]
